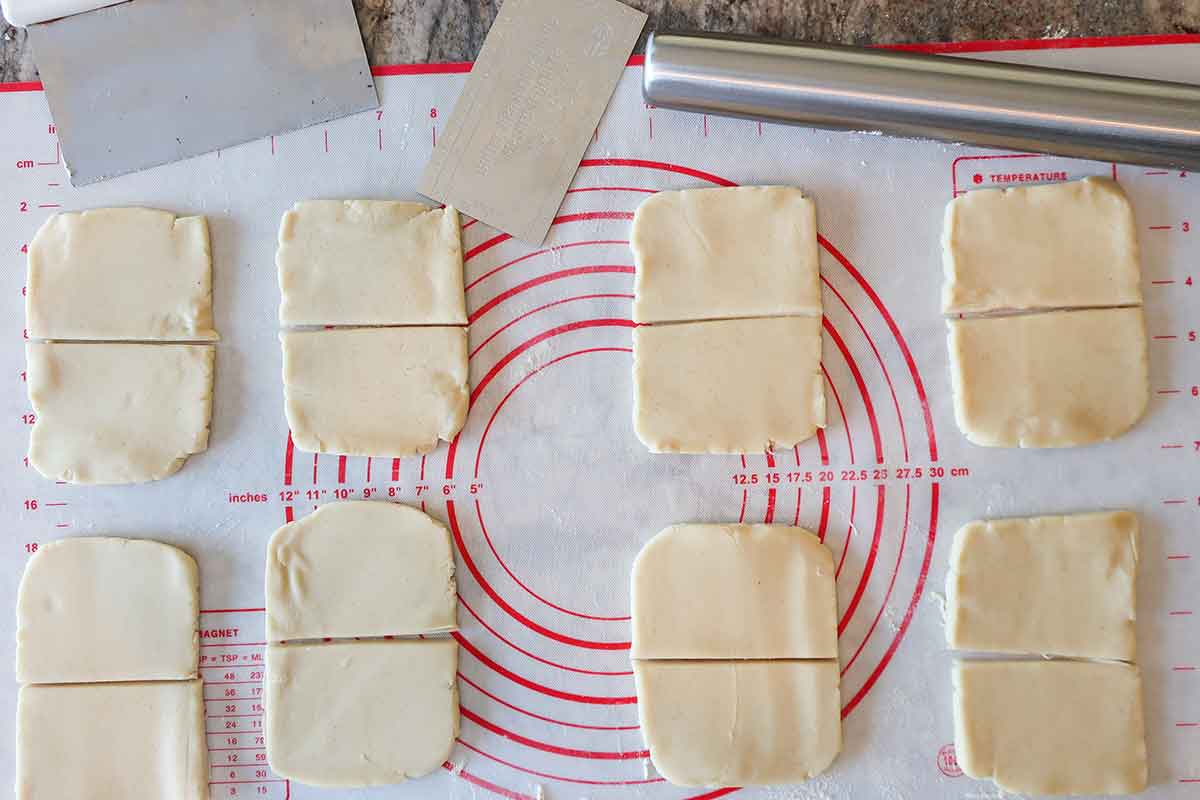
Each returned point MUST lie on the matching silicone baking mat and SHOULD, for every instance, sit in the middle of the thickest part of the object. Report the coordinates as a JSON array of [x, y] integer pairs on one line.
[[548, 493]]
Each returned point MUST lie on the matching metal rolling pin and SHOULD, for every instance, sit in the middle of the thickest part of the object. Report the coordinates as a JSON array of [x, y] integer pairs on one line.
[[1014, 107]]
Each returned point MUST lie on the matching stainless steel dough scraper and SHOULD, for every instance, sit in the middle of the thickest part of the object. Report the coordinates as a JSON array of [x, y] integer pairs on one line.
[[140, 83]]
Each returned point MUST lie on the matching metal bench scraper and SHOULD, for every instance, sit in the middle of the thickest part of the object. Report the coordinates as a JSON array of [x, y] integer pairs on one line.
[[136, 84]]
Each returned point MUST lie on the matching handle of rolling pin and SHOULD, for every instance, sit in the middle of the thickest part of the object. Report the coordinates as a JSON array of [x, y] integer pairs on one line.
[[1013, 107]]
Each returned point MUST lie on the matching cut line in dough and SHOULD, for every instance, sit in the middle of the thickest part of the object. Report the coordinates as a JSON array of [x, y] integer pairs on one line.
[[366, 568], [120, 274], [117, 413], [370, 262]]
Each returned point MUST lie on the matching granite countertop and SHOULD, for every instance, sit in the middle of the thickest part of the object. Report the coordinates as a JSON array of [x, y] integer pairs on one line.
[[402, 31]]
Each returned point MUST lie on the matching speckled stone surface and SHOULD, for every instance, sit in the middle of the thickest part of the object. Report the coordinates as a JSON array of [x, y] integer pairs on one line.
[[402, 31]]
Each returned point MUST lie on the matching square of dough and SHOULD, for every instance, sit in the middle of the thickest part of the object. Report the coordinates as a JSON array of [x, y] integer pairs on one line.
[[732, 386], [736, 723], [1051, 727], [734, 591], [746, 251], [1051, 585], [360, 569], [370, 262], [112, 741], [117, 413], [387, 392], [1059, 379], [1062, 245], [120, 273], [100, 609], [360, 713]]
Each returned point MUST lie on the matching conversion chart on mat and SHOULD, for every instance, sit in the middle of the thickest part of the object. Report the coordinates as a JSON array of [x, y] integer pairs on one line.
[[547, 491]]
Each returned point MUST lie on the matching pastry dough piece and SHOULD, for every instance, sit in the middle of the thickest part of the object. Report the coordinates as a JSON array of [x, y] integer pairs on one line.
[[734, 591], [1059, 379], [99, 609], [360, 713], [375, 392], [1062, 245], [117, 413], [745, 251], [120, 273], [733, 723], [732, 386], [1051, 727], [370, 262], [1051, 585], [360, 569], [112, 741]]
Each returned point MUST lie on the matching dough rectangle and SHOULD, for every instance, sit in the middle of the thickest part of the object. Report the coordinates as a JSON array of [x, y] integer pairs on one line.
[[734, 591], [729, 386], [360, 713], [1051, 727], [370, 262], [120, 274], [1061, 585], [387, 392], [1059, 379], [112, 741], [117, 413], [743, 251], [733, 723], [1063, 245], [366, 568], [100, 609]]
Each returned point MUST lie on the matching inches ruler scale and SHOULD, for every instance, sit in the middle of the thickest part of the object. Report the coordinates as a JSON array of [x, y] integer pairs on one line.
[[547, 491]]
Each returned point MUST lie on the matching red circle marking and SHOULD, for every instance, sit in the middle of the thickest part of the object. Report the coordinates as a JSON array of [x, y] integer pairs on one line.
[[856, 373], [535, 657], [532, 311], [551, 776], [548, 277], [837, 397], [521, 680], [584, 216], [888, 595], [870, 565], [545, 747], [542, 252], [589, 644], [485, 784], [947, 762], [551, 720]]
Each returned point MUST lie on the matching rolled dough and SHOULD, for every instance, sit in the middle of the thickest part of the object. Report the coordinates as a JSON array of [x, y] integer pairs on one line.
[[1063, 245], [360, 713], [720, 253], [119, 274], [1051, 727], [734, 591], [375, 392], [98, 609], [112, 741], [117, 413], [732, 386], [1059, 379], [1051, 585], [360, 569], [732, 723], [370, 262]]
